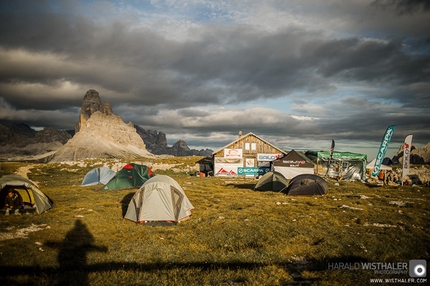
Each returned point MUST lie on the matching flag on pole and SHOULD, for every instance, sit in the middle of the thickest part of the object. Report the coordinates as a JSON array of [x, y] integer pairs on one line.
[[331, 157], [406, 155], [383, 149]]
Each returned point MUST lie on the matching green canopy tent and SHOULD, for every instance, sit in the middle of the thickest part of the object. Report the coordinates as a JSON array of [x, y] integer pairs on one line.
[[352, 165], [129, 177]]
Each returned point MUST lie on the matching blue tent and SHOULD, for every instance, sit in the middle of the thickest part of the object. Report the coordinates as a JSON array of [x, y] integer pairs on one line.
[[98, 176]]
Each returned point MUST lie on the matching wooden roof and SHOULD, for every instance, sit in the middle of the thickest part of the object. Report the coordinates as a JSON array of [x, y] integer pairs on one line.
[[244, 137]]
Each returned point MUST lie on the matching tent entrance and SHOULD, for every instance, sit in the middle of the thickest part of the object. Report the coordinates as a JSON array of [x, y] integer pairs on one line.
[[26, 197], [177, 198]]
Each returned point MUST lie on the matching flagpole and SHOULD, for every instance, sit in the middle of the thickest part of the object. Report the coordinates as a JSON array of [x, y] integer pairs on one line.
[[331, 156]]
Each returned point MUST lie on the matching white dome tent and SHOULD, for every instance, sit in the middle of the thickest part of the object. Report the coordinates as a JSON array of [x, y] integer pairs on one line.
[[159, 200]]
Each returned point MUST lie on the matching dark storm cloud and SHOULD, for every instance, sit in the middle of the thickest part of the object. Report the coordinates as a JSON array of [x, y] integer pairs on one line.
[[229, 65], [372, 61], [346, 68], [403, 6]]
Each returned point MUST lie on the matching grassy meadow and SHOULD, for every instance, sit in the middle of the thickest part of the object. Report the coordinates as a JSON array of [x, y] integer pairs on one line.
[[236, 236]]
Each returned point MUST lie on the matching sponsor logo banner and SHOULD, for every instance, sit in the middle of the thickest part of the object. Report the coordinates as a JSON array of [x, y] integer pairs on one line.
[[252, 171], [383, 149], [232, 153], [407, 155], [267, 157]]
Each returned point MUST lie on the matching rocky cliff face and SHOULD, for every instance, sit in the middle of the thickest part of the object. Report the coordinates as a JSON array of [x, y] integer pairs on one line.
[[90, 105], [156, 143], [101, 134]]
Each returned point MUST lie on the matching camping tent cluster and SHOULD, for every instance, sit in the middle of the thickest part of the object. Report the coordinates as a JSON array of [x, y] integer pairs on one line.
[[303, 184], [158, 200], [292, 174]]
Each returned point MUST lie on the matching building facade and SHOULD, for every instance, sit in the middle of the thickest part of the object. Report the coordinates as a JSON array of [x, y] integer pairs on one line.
[[249, 155]]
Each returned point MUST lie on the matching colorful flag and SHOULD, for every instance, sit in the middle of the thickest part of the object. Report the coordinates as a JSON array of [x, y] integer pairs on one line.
[[383, 149], [406, 155]]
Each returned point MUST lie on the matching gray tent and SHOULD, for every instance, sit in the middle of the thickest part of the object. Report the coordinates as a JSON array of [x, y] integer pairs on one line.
[[271, 181], [307, 184], [159, 199], [34, 200], [98, 176]]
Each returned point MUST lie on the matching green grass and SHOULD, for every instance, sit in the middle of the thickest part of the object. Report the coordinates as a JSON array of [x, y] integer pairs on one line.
[[236, 236]]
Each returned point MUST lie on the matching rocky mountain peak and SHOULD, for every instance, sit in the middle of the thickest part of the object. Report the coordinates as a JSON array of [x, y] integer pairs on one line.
[[107, 108], [90, 105], [156, 143], [418, 155], [101, 134]]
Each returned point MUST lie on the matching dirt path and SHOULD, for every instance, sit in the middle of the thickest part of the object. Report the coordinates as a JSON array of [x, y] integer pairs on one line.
[[23, 171]]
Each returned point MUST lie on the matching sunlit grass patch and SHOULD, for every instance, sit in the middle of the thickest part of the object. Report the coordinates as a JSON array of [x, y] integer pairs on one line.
[[236, 236]]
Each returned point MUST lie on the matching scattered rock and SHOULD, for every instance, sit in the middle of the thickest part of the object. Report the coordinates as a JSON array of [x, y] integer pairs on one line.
[[400, 203], [348, 207]]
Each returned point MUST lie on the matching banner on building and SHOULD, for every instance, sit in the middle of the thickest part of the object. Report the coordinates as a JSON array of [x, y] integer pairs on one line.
[[406, 155], [383, 149], [227, 166], [232, 153], [267, 157], [252, 171], [249, 162]]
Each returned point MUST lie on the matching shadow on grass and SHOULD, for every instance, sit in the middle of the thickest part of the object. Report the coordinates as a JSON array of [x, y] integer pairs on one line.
[[74, 269], [75, 274], [125, 202], [72, 254]]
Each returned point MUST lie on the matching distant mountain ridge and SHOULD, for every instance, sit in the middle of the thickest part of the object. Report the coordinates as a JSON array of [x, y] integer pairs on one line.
[[156, 143], [96, 120], [18, 140]]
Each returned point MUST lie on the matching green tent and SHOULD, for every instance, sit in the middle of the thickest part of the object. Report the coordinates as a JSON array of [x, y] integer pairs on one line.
[[271, 181], [129, 177], [352, 165]]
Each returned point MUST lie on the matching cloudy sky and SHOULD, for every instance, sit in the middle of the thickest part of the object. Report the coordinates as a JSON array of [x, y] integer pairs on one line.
[[296, 73]]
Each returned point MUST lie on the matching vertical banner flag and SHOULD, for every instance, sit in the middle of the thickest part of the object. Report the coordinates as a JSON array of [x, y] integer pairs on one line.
[[406, 155], [331, 157], [383, 149]]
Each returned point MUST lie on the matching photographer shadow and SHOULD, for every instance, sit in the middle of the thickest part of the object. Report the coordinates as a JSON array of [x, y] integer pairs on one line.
[[72, 255]]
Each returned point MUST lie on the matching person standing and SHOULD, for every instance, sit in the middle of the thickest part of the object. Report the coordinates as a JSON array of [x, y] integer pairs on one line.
[[381, 176]]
